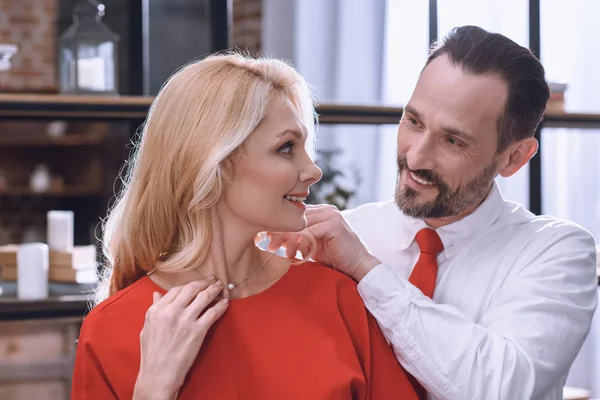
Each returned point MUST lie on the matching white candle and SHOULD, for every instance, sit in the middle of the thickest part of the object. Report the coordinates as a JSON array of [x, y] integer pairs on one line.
[[90, 73], [60, 230], [32, 271]]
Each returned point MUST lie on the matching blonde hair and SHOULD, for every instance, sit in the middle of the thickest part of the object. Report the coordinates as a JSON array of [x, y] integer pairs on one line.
[[179, 169]]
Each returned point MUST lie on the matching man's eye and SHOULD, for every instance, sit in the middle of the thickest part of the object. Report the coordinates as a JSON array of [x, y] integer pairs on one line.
[[454, 142]]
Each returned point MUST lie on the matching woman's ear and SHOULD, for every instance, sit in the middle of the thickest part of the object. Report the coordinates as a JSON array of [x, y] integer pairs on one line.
[[517, 155]]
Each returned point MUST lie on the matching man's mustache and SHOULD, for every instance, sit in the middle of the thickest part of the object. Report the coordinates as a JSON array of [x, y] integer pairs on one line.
[[425, 174]]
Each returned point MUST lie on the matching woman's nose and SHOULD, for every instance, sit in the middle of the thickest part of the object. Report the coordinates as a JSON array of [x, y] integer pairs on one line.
[[311, 173]]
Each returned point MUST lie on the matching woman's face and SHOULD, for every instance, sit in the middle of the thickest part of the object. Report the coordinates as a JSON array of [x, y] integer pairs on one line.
[[273, 175]]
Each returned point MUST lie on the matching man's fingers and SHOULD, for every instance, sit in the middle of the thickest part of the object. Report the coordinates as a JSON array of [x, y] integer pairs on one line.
[[283, 240], [276, 240], [305, 247], [319, 207], [291, 248], [321, 216], [320, 230]]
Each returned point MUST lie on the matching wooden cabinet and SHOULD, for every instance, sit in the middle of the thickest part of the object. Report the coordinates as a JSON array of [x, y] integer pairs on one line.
[[36, 358]]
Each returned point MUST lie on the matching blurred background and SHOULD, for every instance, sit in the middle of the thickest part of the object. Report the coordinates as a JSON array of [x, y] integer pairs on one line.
[[77, 78]]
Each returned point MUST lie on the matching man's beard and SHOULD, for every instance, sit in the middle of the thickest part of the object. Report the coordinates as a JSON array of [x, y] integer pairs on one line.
[[448, 203]]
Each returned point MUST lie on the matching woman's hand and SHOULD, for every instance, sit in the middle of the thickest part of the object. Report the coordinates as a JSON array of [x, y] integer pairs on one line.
[[175, 327]]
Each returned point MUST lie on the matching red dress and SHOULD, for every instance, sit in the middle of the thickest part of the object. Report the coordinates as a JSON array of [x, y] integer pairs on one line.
[[308, 336]]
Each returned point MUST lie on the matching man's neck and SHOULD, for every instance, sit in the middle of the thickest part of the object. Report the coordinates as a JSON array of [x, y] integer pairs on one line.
[[436, 223]]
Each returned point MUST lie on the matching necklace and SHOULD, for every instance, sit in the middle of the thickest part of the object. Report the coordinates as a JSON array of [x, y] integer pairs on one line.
[[232, 286]]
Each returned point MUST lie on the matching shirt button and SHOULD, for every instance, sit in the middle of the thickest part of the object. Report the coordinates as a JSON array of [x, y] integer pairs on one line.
[[415, 356], [373, 304]]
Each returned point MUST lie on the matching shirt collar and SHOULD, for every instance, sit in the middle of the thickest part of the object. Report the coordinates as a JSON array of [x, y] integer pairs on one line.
[[455, 235]]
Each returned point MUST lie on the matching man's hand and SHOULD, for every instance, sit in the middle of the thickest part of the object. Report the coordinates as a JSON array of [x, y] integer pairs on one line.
[[337, 244]]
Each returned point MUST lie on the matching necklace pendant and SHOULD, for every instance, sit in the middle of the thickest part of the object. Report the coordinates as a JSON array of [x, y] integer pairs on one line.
[[230, 286]]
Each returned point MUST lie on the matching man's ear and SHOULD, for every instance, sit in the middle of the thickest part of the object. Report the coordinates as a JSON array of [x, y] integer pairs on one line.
[[517, 155]]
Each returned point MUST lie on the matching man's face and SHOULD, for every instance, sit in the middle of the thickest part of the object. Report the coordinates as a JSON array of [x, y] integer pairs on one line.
[[447, 141]]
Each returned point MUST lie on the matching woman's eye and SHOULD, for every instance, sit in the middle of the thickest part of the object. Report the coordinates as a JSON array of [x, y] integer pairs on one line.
[[287, 147]]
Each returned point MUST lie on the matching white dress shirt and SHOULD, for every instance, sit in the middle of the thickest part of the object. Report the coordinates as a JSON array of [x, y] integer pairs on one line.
[[513, 303]]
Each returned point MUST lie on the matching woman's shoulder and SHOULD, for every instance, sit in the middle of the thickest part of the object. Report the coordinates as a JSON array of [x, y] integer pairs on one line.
[[330, 291], [129, 304], [324, 280], [323, 274]]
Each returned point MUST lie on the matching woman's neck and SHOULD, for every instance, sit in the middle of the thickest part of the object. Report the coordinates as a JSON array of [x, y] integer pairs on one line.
[[234, 255], [233, 258], [274, 268]]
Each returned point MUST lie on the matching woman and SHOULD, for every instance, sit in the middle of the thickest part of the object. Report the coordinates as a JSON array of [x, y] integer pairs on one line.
[[226, 154]]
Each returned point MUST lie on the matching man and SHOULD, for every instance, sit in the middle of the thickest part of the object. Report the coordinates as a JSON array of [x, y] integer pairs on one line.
[[513, 293]]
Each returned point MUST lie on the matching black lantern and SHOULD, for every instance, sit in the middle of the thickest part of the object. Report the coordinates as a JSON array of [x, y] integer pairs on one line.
[[88, 53]]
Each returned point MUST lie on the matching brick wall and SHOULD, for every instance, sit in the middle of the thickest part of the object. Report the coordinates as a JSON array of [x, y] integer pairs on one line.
[[246, 30], [31, 25]]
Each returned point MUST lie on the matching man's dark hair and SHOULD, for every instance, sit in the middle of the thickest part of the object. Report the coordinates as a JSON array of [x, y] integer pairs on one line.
[[479, 52]]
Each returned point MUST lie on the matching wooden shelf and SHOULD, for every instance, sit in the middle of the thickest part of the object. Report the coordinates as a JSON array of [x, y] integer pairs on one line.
[[40, 106], [74, 191], [68, 140], [24, 106], [55, 306]]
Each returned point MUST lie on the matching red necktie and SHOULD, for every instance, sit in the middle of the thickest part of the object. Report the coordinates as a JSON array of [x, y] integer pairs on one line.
[[425, 271], [423, 276]]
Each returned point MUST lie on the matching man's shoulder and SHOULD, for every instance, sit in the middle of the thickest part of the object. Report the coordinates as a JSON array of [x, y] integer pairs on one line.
[[563, 231], [543, 238], [541, 227]]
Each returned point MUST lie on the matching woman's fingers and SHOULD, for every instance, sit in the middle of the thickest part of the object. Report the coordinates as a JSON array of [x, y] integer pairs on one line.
[[212, 315], [156, 296], [170, 296], [190, 291], [203, 299]]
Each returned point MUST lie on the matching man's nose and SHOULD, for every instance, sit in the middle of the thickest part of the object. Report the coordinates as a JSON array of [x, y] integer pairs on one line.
[[421, 154]]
